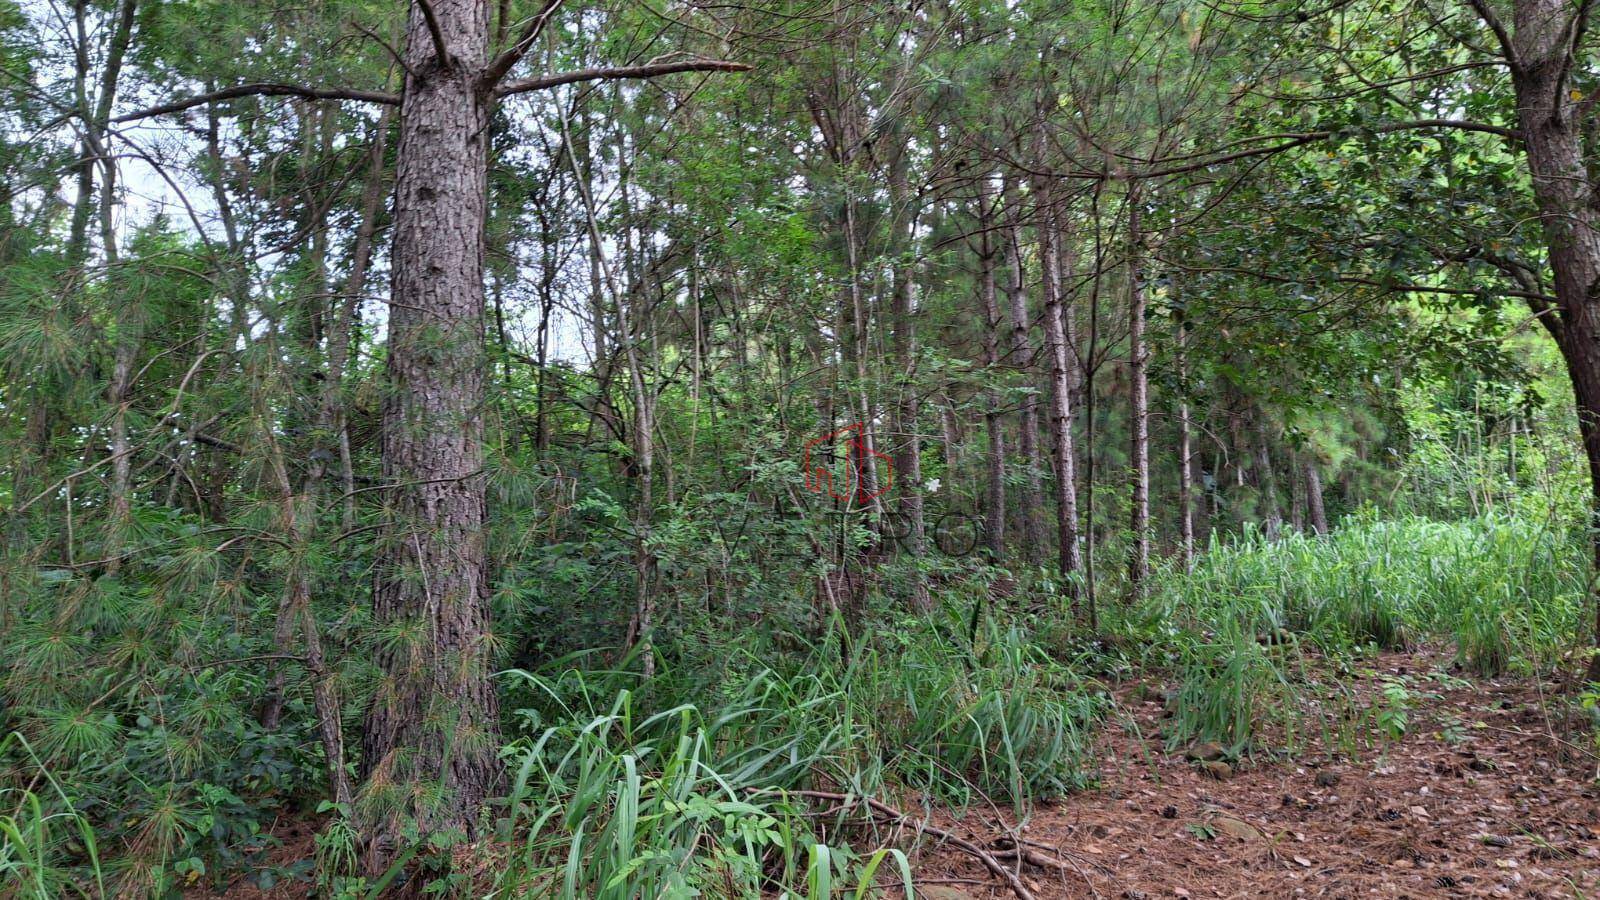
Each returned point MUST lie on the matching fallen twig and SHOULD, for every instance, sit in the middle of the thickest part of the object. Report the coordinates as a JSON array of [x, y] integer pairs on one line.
[[988, 859]]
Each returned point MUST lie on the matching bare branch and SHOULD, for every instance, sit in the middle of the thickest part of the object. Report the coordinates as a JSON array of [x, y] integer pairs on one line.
[[1487, 14], [395, 54], [648, 70], [261, 89], [1286, 141], [502, 63]]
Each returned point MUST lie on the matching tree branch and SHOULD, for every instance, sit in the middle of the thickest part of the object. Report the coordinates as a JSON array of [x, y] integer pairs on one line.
[[648, 70], [1287, 141], [1487, 14], [439, 46], [502, 63], [1571, 38], [260, 89]]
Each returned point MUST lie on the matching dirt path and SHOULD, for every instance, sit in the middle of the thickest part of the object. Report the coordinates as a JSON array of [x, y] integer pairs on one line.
[[1479, 798]]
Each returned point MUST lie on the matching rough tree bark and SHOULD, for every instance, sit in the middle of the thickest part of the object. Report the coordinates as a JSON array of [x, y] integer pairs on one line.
[[434, 717], [431, 733], [1542, 52]]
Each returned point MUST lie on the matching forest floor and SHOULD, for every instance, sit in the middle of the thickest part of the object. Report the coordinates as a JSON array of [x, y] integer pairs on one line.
[[1481, 797], [1488, 793]]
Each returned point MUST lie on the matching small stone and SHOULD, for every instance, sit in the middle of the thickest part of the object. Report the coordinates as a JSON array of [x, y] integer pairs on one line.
[[942, 892], [1236, 828]]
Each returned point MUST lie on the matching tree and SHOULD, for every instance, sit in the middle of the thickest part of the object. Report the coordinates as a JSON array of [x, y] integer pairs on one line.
[[1543, 52]]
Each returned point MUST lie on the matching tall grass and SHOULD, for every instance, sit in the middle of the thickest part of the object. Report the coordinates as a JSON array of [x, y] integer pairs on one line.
[[1508, 594], [47, 848], [609, 801]]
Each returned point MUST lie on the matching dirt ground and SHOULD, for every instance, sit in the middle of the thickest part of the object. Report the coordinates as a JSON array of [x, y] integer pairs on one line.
[[1482, 797]]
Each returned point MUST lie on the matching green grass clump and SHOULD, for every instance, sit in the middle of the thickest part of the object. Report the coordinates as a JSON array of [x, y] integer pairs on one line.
[[1509, 594], [47, 848], [679, 784]]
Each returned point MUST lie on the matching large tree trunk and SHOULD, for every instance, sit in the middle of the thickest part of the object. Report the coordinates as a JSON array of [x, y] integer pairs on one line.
[[1543, 53], [1033, 540], [429, 747], [1139, 553]]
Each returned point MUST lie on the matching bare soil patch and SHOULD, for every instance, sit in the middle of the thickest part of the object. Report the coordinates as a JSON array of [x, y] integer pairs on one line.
[[1491, 792]]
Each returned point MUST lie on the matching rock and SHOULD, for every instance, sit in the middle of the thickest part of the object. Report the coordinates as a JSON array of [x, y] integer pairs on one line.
[[1205, 751], [1216, 769], [1327, 778], [942, 892], [1235, 828]]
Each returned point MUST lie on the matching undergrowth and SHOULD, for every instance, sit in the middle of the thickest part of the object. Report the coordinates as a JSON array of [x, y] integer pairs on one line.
[[1242, 629], [705, 778], [612, 801]]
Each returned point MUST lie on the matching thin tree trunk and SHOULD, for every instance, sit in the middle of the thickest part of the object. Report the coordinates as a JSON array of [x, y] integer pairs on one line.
[[950, 428], [1319, 513], [1032, 513], [1139, 555], [341, 333], [1271, 514], [866, 474], [1069, 560], [994, 516], [908, 453], [127, 336], [297, 516], [1185, 450]]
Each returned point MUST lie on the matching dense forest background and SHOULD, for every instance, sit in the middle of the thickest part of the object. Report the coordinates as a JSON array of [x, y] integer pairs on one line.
[[592, 436]]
